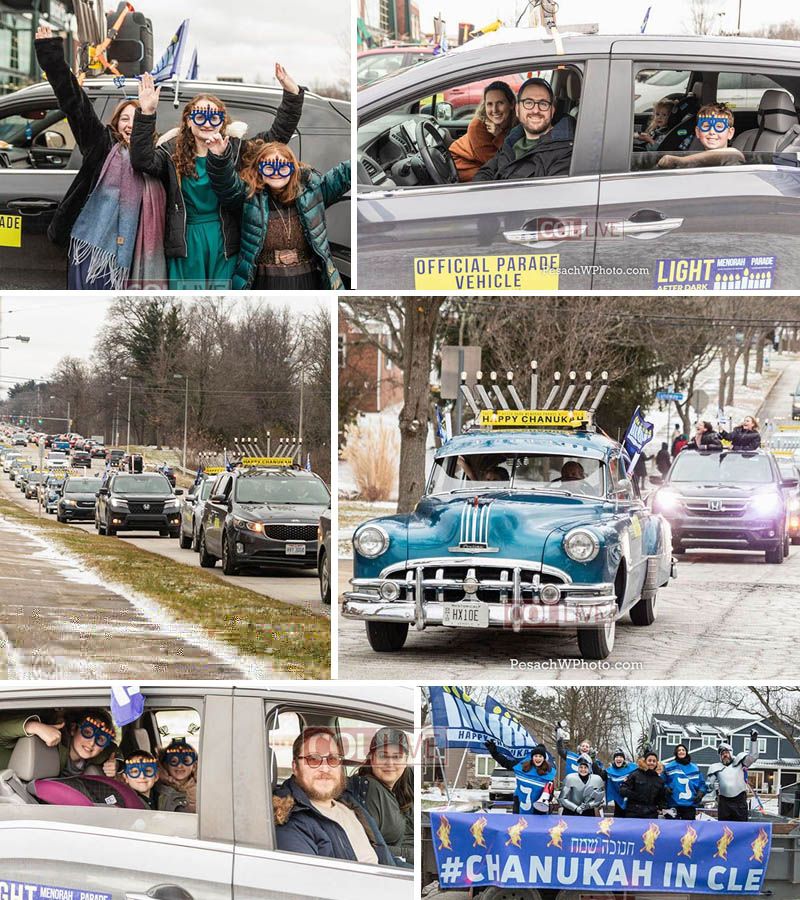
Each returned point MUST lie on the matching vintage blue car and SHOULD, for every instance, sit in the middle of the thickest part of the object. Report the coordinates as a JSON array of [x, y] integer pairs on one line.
[[530, 527]]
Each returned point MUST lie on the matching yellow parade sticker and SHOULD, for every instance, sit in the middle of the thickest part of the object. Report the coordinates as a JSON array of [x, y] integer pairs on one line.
[[512, 271], [267, 461], [533, 418], [10, 231]]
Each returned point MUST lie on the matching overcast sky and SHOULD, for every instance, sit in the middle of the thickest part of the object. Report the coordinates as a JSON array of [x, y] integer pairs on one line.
[[245, 37], [625, 16], [67, 325]]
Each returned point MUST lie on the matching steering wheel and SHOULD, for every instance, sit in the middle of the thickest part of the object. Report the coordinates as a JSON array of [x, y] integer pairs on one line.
[[437, 160]]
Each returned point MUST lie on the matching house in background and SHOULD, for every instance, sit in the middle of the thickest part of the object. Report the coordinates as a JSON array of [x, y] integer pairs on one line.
[[778, 764], [365, 370]]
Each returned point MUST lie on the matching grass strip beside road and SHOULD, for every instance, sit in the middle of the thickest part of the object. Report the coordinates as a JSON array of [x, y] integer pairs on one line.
[[292, 639]]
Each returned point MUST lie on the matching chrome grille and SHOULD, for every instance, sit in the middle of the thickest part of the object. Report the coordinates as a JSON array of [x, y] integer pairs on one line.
[[474, 526]]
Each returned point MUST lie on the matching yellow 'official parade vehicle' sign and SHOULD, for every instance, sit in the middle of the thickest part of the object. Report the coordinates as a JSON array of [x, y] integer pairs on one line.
[[534, 418], [507, 272]]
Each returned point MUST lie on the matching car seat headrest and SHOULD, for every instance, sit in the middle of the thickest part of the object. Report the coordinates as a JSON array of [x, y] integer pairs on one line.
[[776, 111], [32, 758]]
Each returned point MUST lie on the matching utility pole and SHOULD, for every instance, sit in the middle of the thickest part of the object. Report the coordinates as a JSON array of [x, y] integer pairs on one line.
[[302, 385], [185, 416], [129, 379]]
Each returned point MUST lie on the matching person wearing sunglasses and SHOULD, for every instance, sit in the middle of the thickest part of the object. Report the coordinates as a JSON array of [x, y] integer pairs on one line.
[[178, 769], [202, 238], [314, 812], [539, 146], [111, 219], [140, 772], [713, 132], [85, 742], [282, 206]]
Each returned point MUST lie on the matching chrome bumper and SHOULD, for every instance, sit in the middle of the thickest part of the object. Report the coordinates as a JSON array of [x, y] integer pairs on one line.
[[578, 605]]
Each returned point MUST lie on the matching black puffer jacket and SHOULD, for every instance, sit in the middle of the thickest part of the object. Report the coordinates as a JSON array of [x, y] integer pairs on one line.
[[549, 157], [158, 162], [709, 441], [645, 792], [741, 439], [94, 139]]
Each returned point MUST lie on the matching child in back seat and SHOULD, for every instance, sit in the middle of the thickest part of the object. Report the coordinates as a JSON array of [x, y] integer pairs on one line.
[[714, 130], [657, 126], [140, 772]]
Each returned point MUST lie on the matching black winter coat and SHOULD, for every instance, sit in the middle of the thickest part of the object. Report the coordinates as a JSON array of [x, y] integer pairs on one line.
[[709, 441], [646, 794], [157, 161], [549, 157], [94, 139], [742, 439]]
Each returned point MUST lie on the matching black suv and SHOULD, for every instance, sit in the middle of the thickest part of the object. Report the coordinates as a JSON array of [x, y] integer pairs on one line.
[[262, 517], [40, 159], [78, 499], [731, 499], [137, 503]]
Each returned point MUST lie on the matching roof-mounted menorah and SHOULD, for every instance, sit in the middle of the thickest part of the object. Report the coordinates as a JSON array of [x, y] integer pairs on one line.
[[285, 448], [559, 397]]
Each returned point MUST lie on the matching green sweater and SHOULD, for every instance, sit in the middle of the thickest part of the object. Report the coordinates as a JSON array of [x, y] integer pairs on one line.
[[12, 728]]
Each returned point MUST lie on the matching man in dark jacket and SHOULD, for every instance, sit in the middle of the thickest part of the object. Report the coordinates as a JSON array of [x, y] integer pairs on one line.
[[315, 814], [644, 789], [536, 148]]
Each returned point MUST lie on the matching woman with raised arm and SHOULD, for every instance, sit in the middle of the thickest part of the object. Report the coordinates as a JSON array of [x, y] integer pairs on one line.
[[111, 218], [202, 238]]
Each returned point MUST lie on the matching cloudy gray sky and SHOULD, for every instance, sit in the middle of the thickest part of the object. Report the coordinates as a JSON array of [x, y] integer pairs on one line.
[[310, 38], [67, 325], [624, 16]]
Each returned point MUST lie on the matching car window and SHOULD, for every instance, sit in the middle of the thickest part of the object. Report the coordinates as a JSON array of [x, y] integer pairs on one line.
[[36, 137], [281, 739], [379, 65], [721, 468]]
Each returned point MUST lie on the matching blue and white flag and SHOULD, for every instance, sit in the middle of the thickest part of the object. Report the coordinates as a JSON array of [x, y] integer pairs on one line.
[[459, 722], [167, 67], [191, 72], [308, 462], [127, 703], [639, 433], [441, 429], [644, 23]]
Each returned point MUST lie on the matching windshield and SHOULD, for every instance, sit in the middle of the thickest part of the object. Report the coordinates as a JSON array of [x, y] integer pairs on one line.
[[82, 486], [281, 487], [149, 485], [721, 468], [562, 473]]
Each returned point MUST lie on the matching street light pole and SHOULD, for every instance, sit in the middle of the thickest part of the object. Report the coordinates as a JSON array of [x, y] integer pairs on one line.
[[129, 379]]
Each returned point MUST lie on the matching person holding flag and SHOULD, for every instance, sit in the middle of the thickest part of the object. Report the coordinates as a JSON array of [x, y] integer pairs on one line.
[[614, 775], [535, 778], [729, 777], [570, 757], [685, 783], [202, 237]]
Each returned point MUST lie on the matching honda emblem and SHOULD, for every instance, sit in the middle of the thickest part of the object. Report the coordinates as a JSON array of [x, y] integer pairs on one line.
[[145, 506], [715, 505]]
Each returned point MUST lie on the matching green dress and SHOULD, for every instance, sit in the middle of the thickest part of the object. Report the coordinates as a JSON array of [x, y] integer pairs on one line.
[[205, 266]]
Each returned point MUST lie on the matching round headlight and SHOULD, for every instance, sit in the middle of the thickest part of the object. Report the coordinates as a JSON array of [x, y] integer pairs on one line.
[[389, 591], [371, 541], [581, 545], [549, 594]]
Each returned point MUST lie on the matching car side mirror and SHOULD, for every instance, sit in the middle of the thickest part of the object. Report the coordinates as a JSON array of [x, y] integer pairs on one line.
[[656, 479], [218, 498], [790, 482], [443, 111], [103, 491], [178, 492]]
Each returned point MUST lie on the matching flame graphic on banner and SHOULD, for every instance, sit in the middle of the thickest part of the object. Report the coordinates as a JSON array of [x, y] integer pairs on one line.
[[556, 833], [443, 833], [515, 832], [723, 843], [476, 830], [759, 845], [687, 841], [604, 826], [649, 838]]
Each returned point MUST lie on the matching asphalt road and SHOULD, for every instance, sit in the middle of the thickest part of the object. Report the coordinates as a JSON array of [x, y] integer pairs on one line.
[[727, 615], [296, 587]]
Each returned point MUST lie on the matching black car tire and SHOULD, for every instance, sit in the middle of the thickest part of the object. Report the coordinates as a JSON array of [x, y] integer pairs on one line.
[[229, 566], [324, 578], [60, 518], [775, 554], [643, 612], [207, 561], [109, 530], [387, 637], [786, 543], [195, 543], [185, 542], [596, 643]]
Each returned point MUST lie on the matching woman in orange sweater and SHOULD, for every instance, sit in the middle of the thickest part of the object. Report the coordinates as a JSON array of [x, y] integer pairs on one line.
[[494, 118]]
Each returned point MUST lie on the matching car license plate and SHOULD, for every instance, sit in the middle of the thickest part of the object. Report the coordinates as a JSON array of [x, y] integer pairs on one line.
[[296, 549], [465, 615]]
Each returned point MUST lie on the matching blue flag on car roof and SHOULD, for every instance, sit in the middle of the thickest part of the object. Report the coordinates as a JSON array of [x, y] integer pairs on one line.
[[646, 18], [639, 433], [167, 67], [459, 722], [127, 703], [191, 73]]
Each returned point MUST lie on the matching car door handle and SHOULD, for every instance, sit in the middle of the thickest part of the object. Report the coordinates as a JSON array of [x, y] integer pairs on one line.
[[644, 229], [161, 892], [551, 233], [32, 206]]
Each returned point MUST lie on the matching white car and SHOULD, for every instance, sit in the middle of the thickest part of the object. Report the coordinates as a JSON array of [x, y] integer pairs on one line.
[[227, 849], [738, 90]]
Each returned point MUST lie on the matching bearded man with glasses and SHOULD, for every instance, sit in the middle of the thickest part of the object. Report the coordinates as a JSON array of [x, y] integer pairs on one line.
[[316, 814], [536, 148]]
